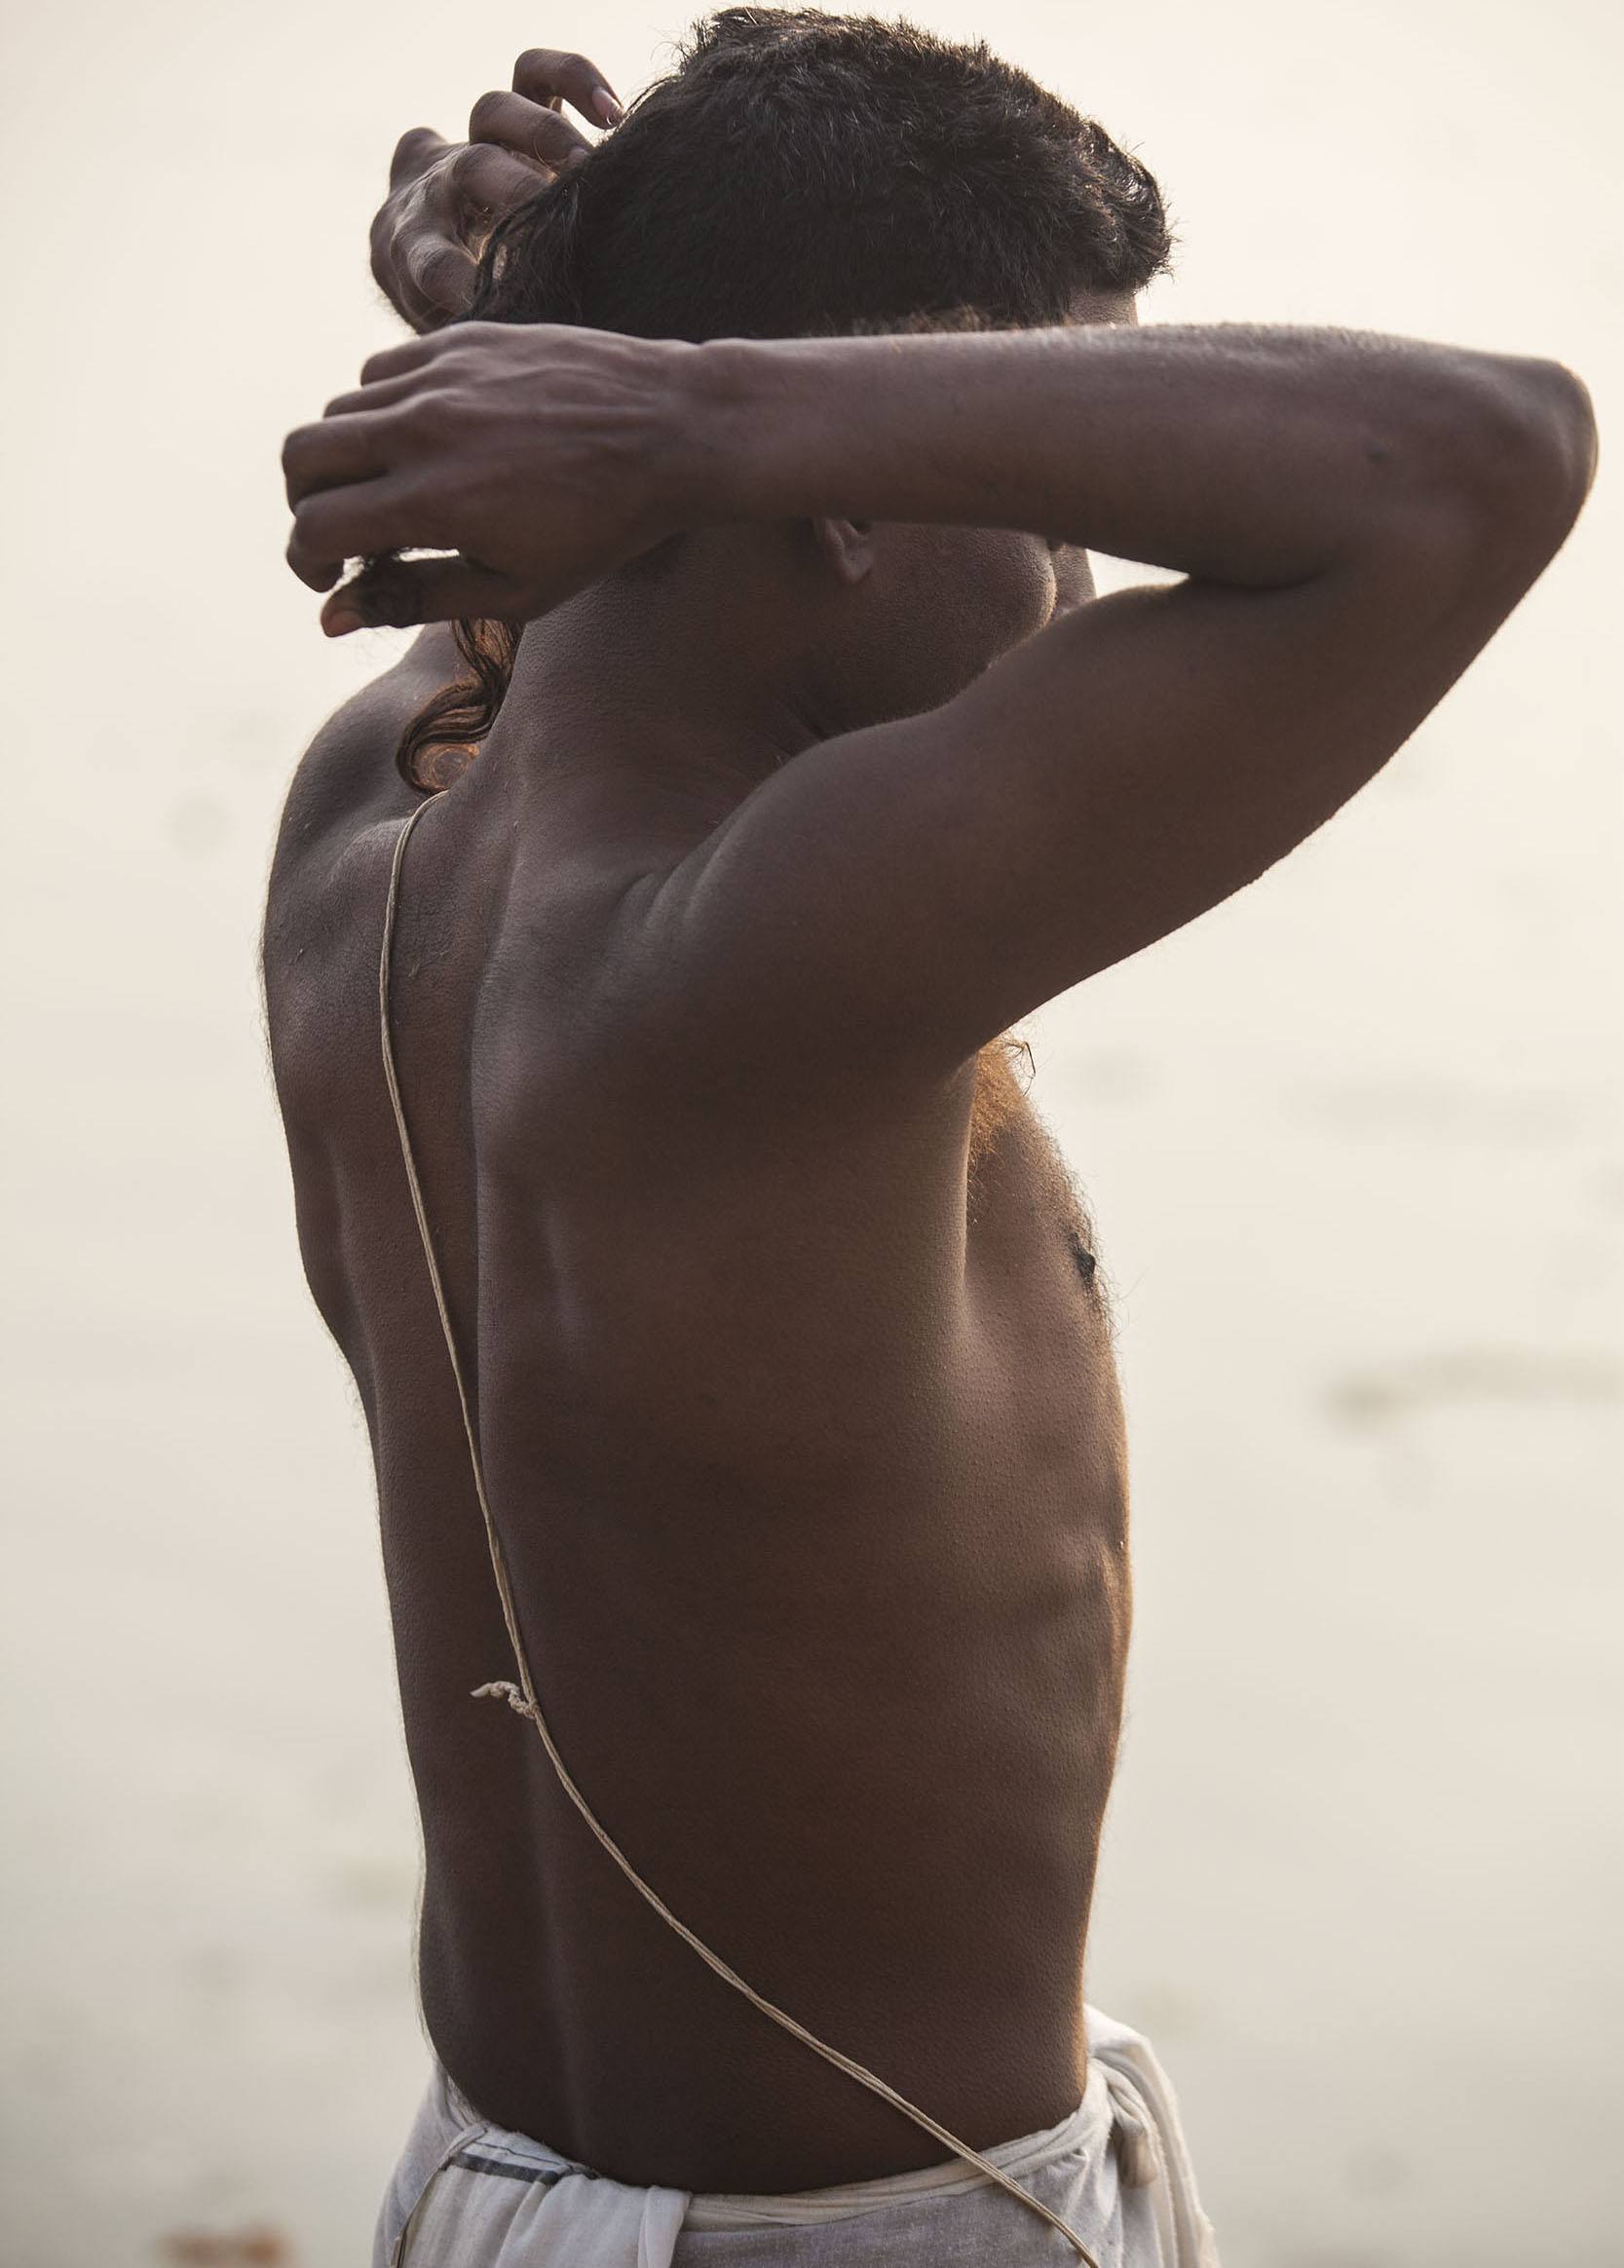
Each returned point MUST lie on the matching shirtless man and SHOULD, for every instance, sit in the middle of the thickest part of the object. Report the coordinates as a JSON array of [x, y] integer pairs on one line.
[[787, 1361]]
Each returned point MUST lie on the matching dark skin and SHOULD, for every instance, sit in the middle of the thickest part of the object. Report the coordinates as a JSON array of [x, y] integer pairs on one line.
[[444, 197], [795, 1388]]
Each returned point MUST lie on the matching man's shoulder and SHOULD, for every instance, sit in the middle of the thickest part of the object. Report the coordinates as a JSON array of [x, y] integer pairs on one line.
[[347, 779], [346, 798]]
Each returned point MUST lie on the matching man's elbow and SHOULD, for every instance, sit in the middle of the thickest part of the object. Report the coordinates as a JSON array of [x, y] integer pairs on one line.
[[1525, 457]]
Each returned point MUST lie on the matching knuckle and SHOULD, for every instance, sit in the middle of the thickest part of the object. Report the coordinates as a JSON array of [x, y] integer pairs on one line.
[[303, 562], [551, 63], [522, 178], [413, 154], [485, 118], [465, 167], [438, 266], [550, 135], [416, 422]]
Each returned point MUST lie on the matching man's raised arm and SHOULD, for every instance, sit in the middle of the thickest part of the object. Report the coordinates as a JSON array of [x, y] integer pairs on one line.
[[1250, 457], [1353, 516]]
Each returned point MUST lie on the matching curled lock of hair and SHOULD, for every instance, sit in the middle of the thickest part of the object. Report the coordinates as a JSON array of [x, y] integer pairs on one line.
[[530, 258]]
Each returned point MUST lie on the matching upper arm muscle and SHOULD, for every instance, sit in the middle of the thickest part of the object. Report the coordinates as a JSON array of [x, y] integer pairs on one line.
[[895, 898]]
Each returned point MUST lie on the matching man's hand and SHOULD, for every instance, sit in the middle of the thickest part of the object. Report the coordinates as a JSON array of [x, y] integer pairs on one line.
[[445, 198], [543, 455]]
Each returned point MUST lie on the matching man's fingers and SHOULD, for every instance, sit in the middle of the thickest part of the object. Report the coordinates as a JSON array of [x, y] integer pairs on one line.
[[443, 198], [543, 74], [410, 355], [336, 454], [415, 356], [530, 130], [441, 272], [418, 148], [336, 524], [384, 393], [490, 180], [396, 594]]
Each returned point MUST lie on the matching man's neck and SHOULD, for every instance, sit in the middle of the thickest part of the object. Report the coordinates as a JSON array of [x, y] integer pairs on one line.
[[644, 701]]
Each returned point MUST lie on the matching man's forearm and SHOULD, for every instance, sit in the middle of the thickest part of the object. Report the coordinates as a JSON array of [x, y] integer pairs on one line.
[[546, 456], [1243, 456]]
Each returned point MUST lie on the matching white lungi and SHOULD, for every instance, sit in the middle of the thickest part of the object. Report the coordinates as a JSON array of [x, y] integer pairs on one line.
[[468, 2194]]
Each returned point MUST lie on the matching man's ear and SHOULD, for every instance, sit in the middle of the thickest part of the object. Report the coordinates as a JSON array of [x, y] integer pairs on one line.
[[845, 547]]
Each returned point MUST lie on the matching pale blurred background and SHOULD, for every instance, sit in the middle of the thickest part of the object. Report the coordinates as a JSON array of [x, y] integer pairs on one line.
[[1354, 1140]]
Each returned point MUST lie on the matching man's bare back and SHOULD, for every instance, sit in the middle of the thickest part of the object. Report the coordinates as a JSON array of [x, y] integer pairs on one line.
[[812, 1477], [793, 1376]]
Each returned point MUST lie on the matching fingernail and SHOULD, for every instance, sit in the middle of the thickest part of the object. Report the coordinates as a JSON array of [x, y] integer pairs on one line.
[[608, 110], [341, 622]]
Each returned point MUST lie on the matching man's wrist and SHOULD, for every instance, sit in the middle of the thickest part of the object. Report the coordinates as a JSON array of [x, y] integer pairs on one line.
[[742, 430], [776, 428]]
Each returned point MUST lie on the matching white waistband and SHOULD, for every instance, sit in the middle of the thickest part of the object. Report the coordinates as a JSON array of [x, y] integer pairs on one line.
[[1128, 2167], [1087, 2127]]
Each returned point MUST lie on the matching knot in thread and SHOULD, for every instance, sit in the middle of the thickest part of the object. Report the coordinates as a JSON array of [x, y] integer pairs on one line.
[[504, 1690]]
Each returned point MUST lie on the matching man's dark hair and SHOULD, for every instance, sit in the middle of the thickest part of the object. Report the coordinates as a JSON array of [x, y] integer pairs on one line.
[[801, 175]]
